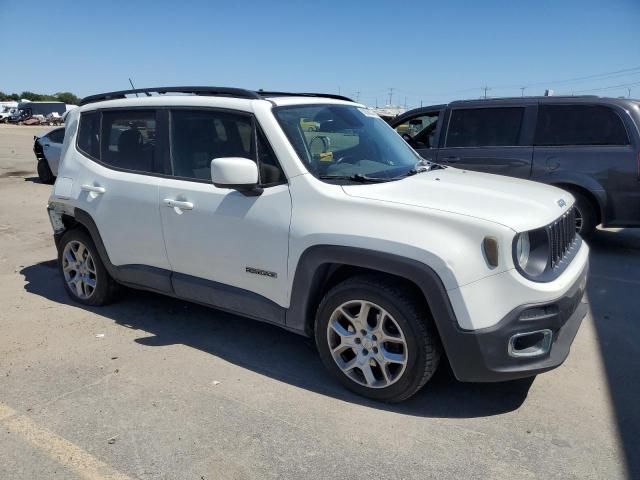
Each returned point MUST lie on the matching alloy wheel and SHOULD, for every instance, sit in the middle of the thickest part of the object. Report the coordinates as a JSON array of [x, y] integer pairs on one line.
[[367, 344], [79, 269]]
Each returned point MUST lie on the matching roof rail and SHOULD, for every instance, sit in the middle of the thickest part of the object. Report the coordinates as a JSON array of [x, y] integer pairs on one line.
[[263, 93], [207, 91], [213, 91]]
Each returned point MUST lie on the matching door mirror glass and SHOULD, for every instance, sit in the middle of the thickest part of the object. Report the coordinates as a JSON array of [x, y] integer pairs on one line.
[[235, 172]]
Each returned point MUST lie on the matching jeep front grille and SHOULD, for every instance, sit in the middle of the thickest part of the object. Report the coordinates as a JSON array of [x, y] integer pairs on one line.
[[562, 235]]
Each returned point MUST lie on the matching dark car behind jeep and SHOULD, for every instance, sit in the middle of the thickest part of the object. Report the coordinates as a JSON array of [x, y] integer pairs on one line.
[[589, 146]]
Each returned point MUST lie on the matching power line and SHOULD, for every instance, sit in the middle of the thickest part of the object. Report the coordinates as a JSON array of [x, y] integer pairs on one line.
[[598, 76], [610, 87]]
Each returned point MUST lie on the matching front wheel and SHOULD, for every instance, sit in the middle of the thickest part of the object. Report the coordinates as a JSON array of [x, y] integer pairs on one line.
[[376, 338]]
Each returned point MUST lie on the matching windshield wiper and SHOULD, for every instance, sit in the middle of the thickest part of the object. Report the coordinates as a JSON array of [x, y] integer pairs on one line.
[[356, 177]]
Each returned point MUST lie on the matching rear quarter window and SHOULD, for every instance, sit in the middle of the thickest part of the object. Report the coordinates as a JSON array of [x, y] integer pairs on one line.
[[579, 125], [89, 134]]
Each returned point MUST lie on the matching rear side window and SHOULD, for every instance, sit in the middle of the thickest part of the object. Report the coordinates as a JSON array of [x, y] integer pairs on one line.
[[89, 134], [579, 125], [485, 127], [129, 139]]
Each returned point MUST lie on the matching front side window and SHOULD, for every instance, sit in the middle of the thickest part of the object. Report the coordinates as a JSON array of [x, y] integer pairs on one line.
[[89, 134], [485, 127], [346, 141], [199, 136], [579, 125], [128, 139], [419, 131]]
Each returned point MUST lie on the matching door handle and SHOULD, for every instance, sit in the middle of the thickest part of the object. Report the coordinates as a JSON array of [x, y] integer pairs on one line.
[[93, 189], [178, 204]]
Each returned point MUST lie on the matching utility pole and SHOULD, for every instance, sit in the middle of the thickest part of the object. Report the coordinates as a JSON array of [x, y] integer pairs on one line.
[[485, 88], [522, 88], [420, 103], [390, 95], [405, 102], [629, 90], [376, 102], [357, 96], [339, 90]]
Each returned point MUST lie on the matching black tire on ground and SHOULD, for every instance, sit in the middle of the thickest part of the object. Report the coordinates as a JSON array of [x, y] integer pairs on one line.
[[409, 312], [106, 288], [44, 172], [585, 214]]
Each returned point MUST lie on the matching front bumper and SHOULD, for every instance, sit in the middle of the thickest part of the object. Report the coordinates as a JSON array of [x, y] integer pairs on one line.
[[484, 355]]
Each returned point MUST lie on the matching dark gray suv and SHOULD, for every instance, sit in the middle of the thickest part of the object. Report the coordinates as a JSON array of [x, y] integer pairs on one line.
[[589, 146]]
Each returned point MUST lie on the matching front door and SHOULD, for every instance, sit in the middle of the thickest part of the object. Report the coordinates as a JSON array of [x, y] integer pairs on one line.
[[225, 248], [488, 139]]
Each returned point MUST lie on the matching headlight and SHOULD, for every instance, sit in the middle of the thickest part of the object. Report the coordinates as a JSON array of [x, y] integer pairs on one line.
[[531, 252], [523, 248]]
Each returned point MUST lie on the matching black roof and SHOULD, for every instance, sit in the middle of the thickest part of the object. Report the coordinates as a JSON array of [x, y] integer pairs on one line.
[[205, 91]]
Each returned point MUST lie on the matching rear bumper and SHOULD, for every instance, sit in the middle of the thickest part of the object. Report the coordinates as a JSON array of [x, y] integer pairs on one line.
[[484, 355]]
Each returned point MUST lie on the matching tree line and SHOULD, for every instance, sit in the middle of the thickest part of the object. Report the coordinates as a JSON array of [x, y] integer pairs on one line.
[[66, 97]]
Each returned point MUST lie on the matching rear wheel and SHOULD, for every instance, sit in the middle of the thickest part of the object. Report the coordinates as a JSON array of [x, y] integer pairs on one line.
[[44, 172], [86, 279], [586, 215], [376, 338]]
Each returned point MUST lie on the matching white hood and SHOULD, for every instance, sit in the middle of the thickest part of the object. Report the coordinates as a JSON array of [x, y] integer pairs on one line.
[[518, 204]]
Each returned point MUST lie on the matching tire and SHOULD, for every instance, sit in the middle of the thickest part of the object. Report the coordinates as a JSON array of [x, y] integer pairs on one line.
[[586, 215], [405, 319], [44, 172], [104, 287]]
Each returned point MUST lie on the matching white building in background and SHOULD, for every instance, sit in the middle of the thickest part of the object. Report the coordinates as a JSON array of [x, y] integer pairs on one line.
[[389, 111]]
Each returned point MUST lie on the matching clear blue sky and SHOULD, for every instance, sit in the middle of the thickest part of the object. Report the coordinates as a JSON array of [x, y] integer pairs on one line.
[[430, 51]]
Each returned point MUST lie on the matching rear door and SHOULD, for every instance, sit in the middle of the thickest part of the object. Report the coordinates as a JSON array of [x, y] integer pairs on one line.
[[119, 190], [591, 145], [491, 139]]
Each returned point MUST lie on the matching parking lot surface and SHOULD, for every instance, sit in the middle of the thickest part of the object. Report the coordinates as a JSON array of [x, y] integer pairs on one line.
[[152, 387]]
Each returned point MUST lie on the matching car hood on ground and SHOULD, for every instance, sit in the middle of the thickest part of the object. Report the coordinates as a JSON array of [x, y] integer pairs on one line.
[[518, 204]]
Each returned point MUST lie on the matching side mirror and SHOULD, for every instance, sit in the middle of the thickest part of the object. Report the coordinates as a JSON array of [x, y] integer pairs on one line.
[[237, 173]]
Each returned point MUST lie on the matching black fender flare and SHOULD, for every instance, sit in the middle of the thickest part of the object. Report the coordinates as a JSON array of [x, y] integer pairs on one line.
[[315, 264]]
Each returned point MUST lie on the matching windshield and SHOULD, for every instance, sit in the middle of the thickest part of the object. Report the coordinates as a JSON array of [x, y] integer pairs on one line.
[[343, 141]]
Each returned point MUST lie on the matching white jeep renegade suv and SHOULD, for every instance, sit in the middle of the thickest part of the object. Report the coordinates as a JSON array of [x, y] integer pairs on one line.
[[221, 196]]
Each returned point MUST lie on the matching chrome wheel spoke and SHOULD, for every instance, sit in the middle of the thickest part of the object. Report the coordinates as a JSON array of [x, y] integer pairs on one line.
[[389, 357], [342, 332], [365, 308], [91, 266], [369, 377]]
